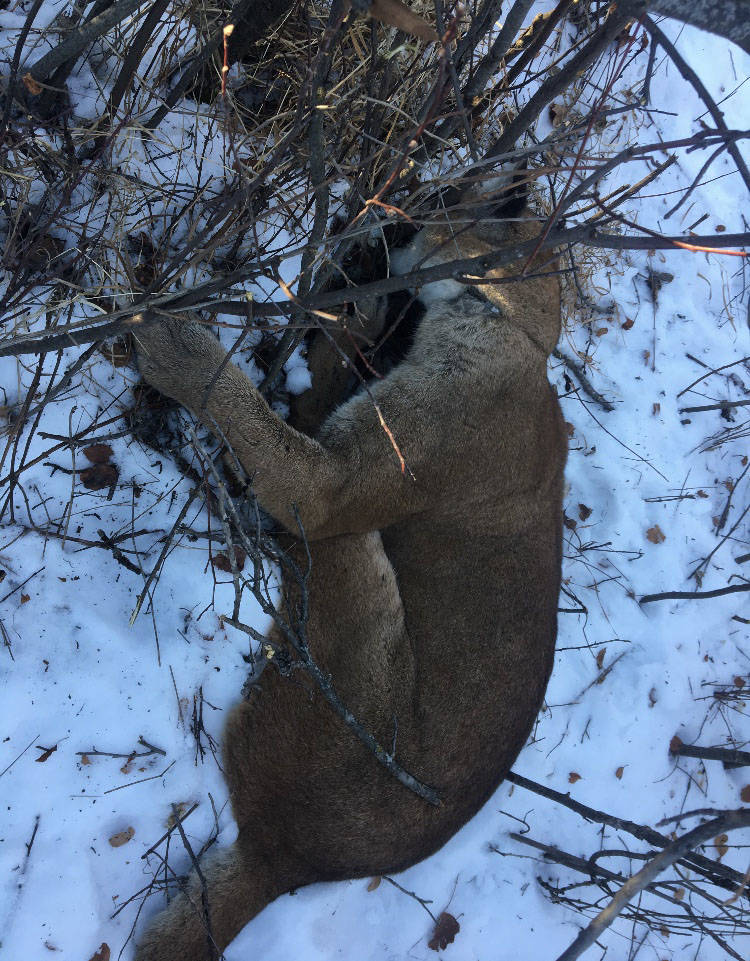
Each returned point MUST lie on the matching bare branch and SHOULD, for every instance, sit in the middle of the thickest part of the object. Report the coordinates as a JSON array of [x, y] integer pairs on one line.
[[727, 822]]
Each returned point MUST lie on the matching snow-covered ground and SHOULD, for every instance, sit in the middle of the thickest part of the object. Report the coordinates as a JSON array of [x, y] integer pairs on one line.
[[646, 487]]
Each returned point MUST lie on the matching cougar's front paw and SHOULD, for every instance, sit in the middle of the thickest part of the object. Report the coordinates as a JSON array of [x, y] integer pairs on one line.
[[174, 355]]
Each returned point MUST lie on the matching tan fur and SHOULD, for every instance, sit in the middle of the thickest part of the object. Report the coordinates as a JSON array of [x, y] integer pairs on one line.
[[432, 600]]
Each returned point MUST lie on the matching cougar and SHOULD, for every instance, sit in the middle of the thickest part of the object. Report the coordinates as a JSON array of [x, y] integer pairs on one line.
[[432, 591]]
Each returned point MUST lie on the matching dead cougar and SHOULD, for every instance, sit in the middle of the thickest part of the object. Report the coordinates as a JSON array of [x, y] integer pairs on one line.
[[433, 598]]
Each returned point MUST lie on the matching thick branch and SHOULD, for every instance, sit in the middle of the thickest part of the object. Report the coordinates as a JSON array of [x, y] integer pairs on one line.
[[728, 756], [727, 18]]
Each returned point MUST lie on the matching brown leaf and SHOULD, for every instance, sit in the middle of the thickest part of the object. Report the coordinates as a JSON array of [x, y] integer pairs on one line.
[[720, 228], [128, 765], [628, 323], [446, 929], [374, 884], [600, 657], [99, 476], [739, 681], [701, 494], [179, 811], [103, 954], [675, 744], [222, 562], [397, 14], [557, 113], [619, 772], [573, 777], [31, 85], [656, 408], [655, 535], [745, 794], [25, 598], [569, 428], [720, 843], [584, 512], [85, 759], [601, 331], [46, 754], [569, 522], [119, 353], [122, 837], [98, 453]]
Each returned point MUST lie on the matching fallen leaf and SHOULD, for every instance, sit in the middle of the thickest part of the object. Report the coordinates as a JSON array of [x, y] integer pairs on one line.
[[569, 522], [119, 353], [656, 409], [627, 324], [179, 811], [646, 354], [619, 772], [601, 331], [739, 681], [446, 929], [720, 843], [31, 85], [25, 598], [46, 754], [103, 954], [99, 476], [397, 14], [745, 794], [573, 777], [85, 759], [122, 837], [222, 562], [569, 428], [600, 657], [655, 534], [701, 494], [584, 512], [374, 884], [720, 228], [98, 453], [652, 698], [557, 113], [675, 744]]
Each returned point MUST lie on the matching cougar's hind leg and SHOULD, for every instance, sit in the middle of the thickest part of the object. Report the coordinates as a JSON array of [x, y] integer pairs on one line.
[[300, 780]]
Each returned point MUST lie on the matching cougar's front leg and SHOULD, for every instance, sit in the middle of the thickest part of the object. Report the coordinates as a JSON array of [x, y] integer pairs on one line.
[[288, 469]]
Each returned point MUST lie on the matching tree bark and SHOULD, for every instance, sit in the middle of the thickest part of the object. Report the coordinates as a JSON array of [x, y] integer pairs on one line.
[[727, 18]]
